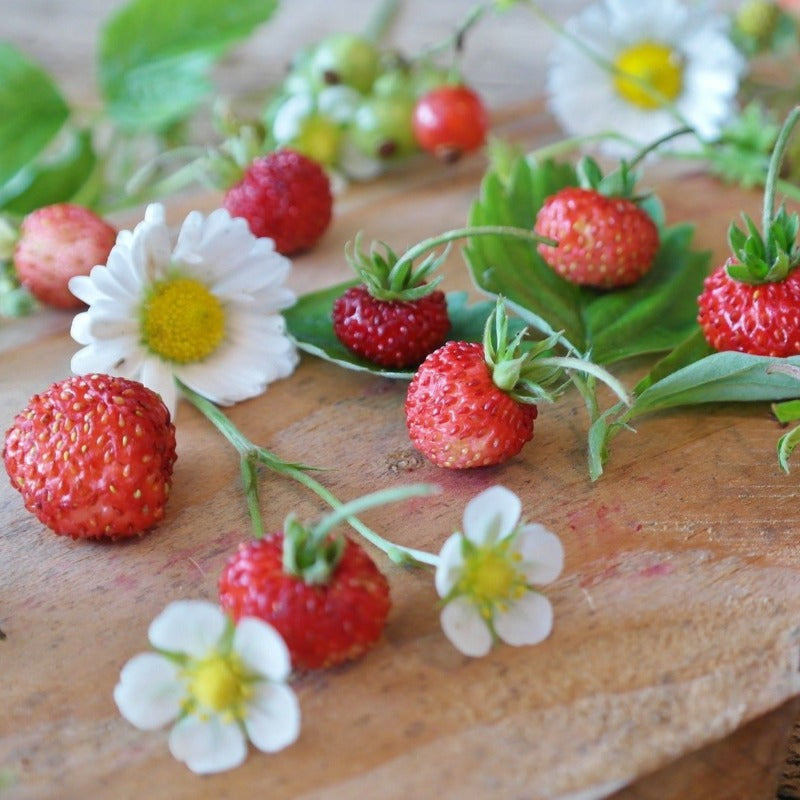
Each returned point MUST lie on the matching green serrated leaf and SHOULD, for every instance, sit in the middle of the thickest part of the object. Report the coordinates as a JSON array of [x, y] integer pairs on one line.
[[32, 111], [309, 325], [652, 316], [155, 56]]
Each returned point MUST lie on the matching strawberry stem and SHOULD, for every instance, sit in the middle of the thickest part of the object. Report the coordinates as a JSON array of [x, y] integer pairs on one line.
[[433, 242], [251, 455], [775, 162]]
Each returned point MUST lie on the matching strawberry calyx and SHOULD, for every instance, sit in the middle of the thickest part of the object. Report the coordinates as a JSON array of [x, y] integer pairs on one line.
[[527, 370], [306, 555], [520, 373], [767, 256], [388, 276], [312, 553]]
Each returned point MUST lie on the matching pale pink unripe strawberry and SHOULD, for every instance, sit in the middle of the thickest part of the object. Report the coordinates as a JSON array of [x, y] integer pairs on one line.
[[57, 242]]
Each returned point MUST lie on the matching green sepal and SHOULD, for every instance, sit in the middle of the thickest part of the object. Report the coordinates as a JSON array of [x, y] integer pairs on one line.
[[515, 371], [764, 259], [389, 277], [308, 557]]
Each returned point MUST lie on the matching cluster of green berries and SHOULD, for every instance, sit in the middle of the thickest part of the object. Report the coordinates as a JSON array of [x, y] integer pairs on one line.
[[356, 108]]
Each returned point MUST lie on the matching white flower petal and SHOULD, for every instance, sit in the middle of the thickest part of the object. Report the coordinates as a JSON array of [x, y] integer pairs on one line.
[[262, 649], [272, 720], [542, 554], [208, 745], [582, 94], [465, 628], [193, 627], [491, 515], [449, 565], [157, 375], [527, 621], [149, 692]]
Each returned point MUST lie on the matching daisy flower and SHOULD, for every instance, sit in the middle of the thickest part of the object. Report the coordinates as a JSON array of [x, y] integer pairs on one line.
[[220, 684], [204, 310], [643, 68], [487, 576]]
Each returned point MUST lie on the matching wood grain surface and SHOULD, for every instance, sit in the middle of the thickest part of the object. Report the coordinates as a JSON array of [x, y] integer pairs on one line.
[[675, 658]]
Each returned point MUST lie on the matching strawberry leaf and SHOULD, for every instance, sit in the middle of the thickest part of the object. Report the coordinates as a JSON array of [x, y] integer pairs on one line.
[[32, 111], [155, 56], [652, 316], [693, 374], [309, 325]]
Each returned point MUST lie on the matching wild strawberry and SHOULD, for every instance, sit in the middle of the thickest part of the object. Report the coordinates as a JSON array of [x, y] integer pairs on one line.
[[55, 243], [751, 303], [605, 239], [92, 457], [286, 197], [394, 318], [472, 404], [324, 595], [449, 121]]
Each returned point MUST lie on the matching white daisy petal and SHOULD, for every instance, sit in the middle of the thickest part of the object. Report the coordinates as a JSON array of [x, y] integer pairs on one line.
[[465, 628], [188, 626], [542, 554], [208, 745], [528, 621], [149, 692], [272, 720], [449, 565], [262, 649], [242, 273], [583, 95], [491, 515]]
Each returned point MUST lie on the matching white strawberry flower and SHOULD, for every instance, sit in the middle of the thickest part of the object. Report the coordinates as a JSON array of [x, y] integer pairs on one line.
[[204, 310], [488, 576], [642, 69], [220, 684]]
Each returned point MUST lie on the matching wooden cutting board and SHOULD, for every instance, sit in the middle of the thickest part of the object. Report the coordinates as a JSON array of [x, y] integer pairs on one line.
[[677, 618]]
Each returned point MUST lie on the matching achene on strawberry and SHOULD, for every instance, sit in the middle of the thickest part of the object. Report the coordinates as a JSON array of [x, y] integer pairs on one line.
[[751, 303]]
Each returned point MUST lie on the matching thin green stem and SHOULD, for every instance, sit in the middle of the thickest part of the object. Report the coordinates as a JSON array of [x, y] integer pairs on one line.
[[381, 20], [589, 368], [774, 167], [251, 453], [425, 245]]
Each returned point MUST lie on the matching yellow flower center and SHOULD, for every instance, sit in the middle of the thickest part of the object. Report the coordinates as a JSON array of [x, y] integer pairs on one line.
[[492, 578], [182, 321], [649, 74], [219, 683]]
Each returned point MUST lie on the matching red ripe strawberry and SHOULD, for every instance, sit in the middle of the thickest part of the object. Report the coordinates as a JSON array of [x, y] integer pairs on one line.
[[57, 242], [472, 404], [286, 197], [395, 317], [752, 302], [449, 121], [605, 239], [761, 319], [331, 610], [92, 457]]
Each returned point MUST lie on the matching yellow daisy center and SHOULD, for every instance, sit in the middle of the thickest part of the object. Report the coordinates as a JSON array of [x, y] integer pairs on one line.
[[182, 321], [649, 74], [491, 577], [219, 683]]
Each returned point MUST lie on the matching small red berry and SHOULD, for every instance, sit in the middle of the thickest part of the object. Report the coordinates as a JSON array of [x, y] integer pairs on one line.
[[284, 196], [92, 457], [604, 242], [762, 319], [57, 242], [323, 624], [458, 417], [390, 333], [449, 121]]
